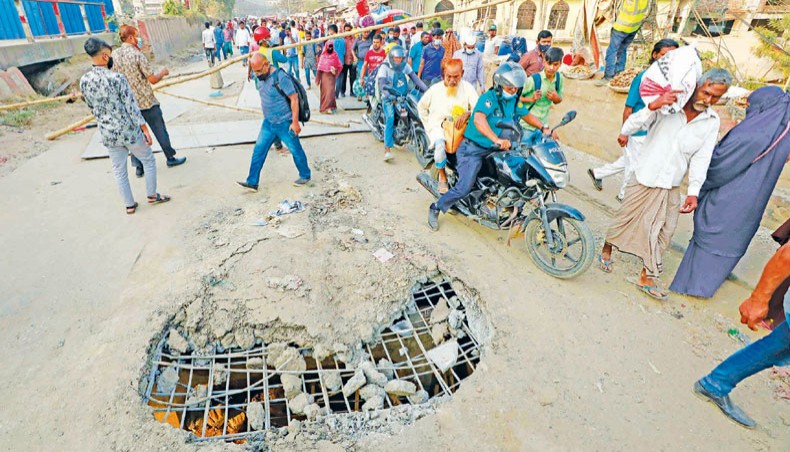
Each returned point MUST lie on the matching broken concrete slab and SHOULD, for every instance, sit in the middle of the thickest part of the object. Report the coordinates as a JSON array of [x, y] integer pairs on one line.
[[372, 375], [444, 356], [176, 342], [440, 313], [332, 381], [167, 380], [400, 388], [375, 403], [256, 416], [292, 385], [356, 382], [369, 391], [419, 397], [300, 402]]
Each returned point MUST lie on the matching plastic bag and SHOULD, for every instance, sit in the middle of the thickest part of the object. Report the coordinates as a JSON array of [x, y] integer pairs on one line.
[[678, 70]]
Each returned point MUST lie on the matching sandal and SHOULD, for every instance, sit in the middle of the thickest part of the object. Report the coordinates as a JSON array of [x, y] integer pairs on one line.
[[652, 291], [604, 265], [444, 187], [158, 199], [131, 209]]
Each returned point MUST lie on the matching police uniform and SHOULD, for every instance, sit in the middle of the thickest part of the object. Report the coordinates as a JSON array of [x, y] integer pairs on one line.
[[475, 146]]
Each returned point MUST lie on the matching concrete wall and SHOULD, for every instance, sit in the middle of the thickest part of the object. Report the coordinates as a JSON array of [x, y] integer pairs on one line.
[[22, 53], [167, 35]]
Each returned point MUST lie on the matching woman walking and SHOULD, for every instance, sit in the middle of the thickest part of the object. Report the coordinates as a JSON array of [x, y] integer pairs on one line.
[[743, 172], [329, 66]]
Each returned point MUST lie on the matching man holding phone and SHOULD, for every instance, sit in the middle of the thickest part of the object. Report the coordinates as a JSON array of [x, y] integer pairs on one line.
[[122, 126]]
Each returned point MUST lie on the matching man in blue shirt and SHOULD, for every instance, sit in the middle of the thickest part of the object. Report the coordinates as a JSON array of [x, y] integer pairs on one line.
[[280, 120], [631, 145], [481, 137], [415, 53], [432, 55], [219, 40], [340, 50]]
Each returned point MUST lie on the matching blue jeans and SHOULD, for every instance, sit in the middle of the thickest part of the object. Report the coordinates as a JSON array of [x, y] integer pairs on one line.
[[309, 75], [244, 50], [221, 51], [772, 350], [293, 66], [470, 159], [265, 139], [616, 52], [389, 116]]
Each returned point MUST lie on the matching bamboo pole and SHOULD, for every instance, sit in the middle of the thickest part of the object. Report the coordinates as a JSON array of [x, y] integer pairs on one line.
[[47, 100], [166, 84], [249, 110]]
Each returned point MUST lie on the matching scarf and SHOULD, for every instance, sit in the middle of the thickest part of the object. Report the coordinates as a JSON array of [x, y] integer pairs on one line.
[[329, 61], [450, 44]]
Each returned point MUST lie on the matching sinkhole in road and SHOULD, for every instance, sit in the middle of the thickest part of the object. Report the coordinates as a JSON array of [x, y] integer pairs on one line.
[[233, 395]]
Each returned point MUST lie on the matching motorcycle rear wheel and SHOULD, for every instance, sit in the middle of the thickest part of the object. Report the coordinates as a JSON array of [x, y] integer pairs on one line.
[[573, 250], [419, 145]]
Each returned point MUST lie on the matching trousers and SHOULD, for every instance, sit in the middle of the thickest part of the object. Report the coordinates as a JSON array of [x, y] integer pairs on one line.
[[143, 153], [625, 164], [266, 137], [616, 52], [153, 116], [470, 159]]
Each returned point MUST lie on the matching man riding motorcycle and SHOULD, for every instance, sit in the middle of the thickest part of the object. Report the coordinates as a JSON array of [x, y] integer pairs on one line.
[[453, 98], [481, 138], [391, 82]]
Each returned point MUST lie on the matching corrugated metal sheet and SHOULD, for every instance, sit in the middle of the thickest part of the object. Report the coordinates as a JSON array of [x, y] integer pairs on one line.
[[41, 18], [10, 26], [71, 15], [95, 20]]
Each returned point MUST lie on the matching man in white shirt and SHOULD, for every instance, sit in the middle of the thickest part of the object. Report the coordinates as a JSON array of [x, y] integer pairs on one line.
[[243, 39], [209, 43], [474, 71], [454, 97], [492, 43], [676, 144]]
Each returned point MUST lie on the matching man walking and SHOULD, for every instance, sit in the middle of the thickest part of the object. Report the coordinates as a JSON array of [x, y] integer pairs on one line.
[[628, 20], [209, 44], [771, 350], [243, 40], [121, 125], [130, 61], [432, 55], [219, 41], [492, 43], [281, 120], [291, 54], [415, 53], [533, 61], [349, 73], [472, 59], [676, 144]]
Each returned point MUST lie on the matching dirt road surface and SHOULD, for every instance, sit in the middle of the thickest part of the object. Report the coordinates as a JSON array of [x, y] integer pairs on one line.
[[586, 364]]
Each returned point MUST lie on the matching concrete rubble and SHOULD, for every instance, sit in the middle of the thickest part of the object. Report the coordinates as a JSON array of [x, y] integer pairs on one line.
[[256, 417], [400, 388]]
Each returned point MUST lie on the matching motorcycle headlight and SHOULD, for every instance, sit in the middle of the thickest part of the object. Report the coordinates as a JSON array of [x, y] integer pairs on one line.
[[560, 176]]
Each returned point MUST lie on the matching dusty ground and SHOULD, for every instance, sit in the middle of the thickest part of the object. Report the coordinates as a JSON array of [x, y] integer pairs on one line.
[[584, 364]]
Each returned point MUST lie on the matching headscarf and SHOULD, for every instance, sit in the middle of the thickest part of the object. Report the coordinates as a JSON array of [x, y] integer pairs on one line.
[[450, 44], [766, 118], [329, 60]]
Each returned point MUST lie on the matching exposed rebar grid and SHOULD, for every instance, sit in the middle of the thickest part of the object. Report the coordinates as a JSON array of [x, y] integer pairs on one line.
[[212, 394]]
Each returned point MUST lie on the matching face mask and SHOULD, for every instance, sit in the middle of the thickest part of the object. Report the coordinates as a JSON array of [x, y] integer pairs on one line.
[[437, 42], [263, 77], [507, 96], [109, 63], [330, 50], [469, 51], [542, 48]]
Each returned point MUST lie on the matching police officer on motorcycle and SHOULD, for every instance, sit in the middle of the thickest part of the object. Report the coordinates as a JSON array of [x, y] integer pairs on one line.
[[481, 138], [392, 82]]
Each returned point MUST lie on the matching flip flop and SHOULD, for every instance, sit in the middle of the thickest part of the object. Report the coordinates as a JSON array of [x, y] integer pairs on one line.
[[131, 209], [652, 291], [158, 199], [604, 265], [597, 183]]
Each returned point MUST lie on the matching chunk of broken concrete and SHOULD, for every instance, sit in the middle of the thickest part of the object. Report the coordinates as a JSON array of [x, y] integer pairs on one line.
[[372, 374], [312, 411], [440, 312], [439, 331], [332, 381], [400, 388], [290, 359], [292, 385], [256, 416], [300, 402], [197, 395], [356, 382], [374, 403], [176, 342], [419, 397], [167, 380], [220, 374], [444, 356], [385, 366], [369, 391]]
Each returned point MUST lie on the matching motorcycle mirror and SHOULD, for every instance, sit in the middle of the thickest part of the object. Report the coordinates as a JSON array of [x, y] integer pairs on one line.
[[570, 116]]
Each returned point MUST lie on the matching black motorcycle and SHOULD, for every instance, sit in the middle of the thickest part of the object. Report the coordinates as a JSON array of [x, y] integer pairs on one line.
[[516, 190], [408, 131]]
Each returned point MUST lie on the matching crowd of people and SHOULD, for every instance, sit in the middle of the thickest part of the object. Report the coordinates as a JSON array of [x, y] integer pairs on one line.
[[672, 138]]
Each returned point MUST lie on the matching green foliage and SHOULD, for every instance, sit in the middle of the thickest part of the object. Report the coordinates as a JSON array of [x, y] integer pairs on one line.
[[214, 8], [17, 118], [172, 8], [771, 43], [442, 22]]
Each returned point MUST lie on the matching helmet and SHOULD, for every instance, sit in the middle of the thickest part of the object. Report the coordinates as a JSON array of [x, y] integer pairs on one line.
[[261, 33], [398, 52], [510, 74]]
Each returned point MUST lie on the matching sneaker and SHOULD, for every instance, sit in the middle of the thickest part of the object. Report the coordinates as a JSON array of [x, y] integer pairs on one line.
[[388, 156], [597, 183], [175, 161], [248, 186], [433, 217], [139, 171], [603, 82], [301, 182], [732, 411]]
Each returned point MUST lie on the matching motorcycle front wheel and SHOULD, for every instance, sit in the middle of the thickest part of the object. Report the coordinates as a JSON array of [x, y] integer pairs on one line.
[[572, 251], [419, 145]]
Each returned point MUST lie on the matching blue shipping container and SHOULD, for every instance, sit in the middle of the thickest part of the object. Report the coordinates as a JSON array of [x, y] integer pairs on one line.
[[10, 25]]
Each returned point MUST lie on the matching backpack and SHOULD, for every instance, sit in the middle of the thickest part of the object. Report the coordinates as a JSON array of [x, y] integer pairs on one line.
[[538, 81], [304, 106]]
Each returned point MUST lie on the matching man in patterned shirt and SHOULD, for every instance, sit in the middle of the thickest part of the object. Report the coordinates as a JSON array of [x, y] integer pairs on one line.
[[130, 61], [121, 124]]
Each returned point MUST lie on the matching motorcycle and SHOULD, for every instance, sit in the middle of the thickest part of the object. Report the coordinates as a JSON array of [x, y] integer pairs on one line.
[[408, 131], [516, 190]]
